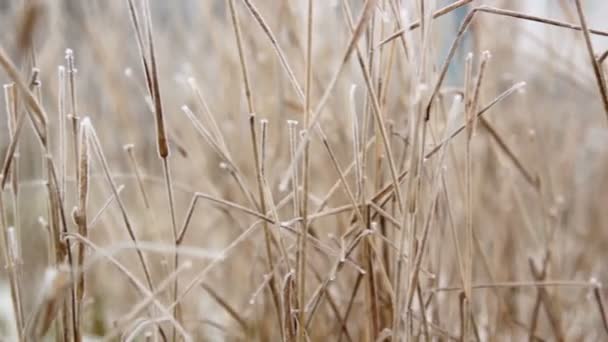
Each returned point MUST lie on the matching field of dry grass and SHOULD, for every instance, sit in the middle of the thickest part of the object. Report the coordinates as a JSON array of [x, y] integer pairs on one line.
[[303, 170]]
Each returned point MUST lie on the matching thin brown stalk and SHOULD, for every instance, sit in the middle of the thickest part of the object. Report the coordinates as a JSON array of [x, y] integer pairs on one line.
[[338, 265], [454, 234], [389, 188], [288, 325], [521, 284], [14, 142], [343, 258], [552, 314], [444, 68], [254, 142], [602, 57], [532, 180], [149, 295], [56, 256], [276, 47], [497, 11], [361, 220], [384, 214], [359, 171], [294, 176], [161, 134], [61, 97], [347, 171], [437, 179], [92, 136], [222, 153], [359, 28], [216, 128], [501, 12], [10, 96], [377, 111], [303, 241], [351, 301], [140, 183], [103, 208], [11, 262], [80, 218], [599, 298], [268, 194], [342, 177], [229, 309], [597, 69], [286, 226], [537, 302], [63, 250], [252, 124], [151, 298], [151, 70], [73, 112], [200, 276], [28, 95], [333, 306], [51, 294]]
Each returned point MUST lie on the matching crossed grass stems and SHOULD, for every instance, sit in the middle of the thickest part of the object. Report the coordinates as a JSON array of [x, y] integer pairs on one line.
[[64, 292]]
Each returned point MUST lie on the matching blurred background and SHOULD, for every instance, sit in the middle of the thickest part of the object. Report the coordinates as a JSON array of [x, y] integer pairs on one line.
[[555, 127]]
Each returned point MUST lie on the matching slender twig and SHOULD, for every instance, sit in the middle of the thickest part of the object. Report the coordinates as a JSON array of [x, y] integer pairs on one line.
[[92, 136], [10, 260], [597, 69], [256, 159], [80, 216], [601, 303], [501, 12], [129, 149], [388, 189], [149, 295], [357, 32], [303, 241], [229, 309]]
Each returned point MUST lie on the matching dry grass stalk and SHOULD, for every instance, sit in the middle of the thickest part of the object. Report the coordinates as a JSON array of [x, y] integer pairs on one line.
[[29, 97], [52, 290], [256, 158], [140, 183], [10, 97], [150, 296], [358, 30], [11, 260], [14, 142], [229, 309], [496, 11], [388, 189], [601, 303], [63, 251], [220, 149], [148, 58], [103, 208], [96, 145], [380, 221], [72, 114], [597, 69], [80, 214], [61, 110], [301, 258]]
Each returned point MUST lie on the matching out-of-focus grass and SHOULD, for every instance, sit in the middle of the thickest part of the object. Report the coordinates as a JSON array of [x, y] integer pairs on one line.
[[502, 226]]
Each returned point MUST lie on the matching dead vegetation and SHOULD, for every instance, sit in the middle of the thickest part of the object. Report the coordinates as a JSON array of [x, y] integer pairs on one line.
[[302, 171]]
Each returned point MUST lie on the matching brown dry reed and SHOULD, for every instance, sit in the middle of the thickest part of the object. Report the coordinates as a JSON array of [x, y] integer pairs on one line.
[[343, 173]]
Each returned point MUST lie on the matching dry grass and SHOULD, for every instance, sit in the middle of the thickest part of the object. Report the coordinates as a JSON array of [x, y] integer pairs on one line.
[[254, 170]]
